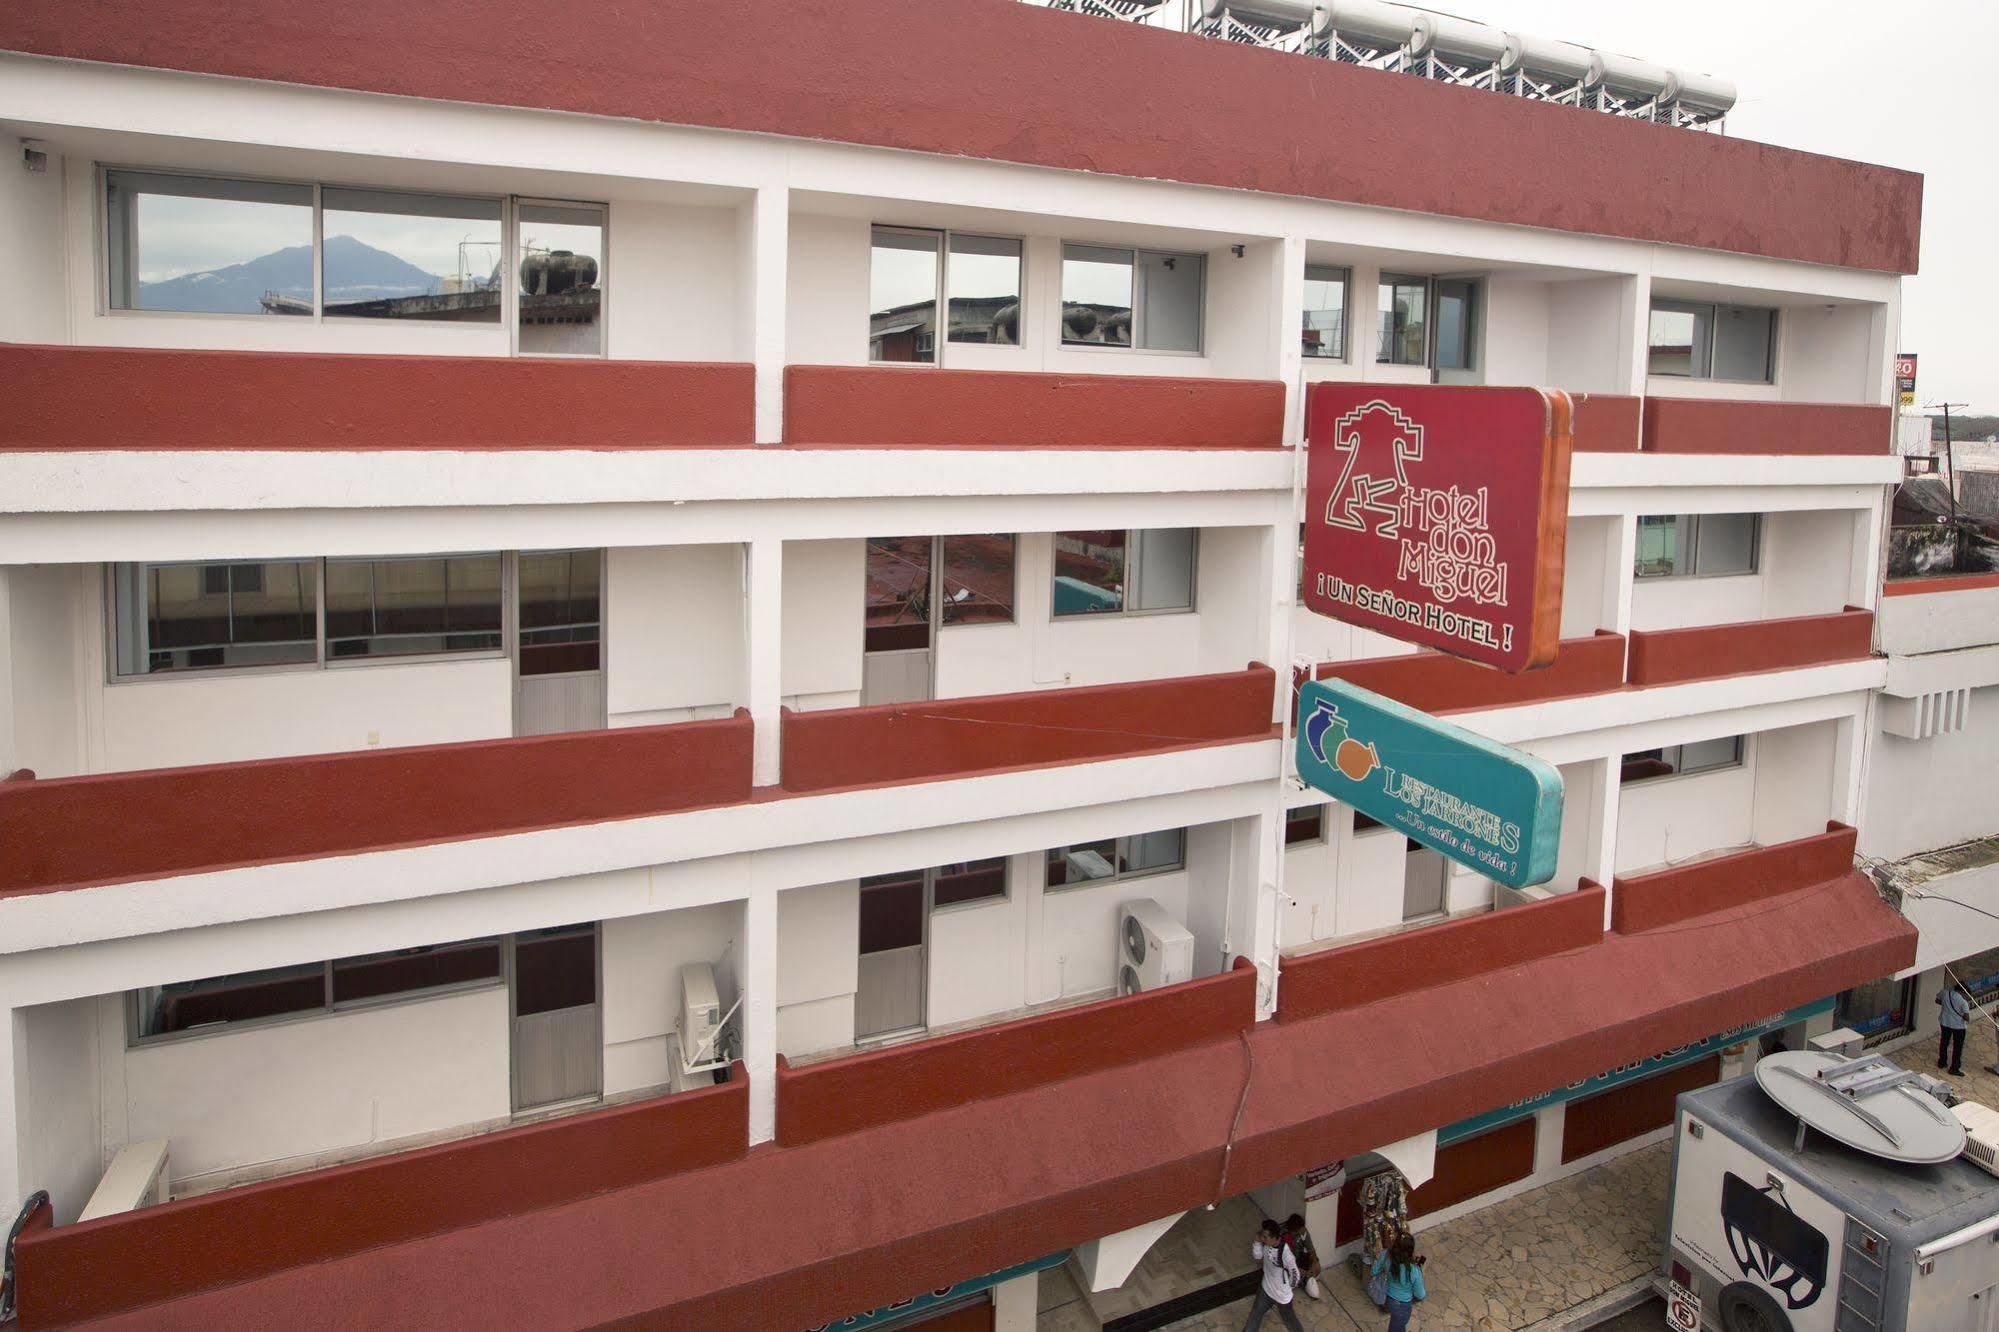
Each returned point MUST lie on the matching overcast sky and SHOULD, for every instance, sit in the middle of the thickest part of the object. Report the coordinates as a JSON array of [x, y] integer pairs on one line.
[[1905, 85]]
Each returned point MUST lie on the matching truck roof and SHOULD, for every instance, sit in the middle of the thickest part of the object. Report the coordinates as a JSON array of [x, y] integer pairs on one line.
[[1916, 1202]]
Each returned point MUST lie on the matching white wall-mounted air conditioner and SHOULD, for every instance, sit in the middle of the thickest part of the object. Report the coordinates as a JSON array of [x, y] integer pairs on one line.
[[1153, 948], [700, 1016], [1981, 1134]]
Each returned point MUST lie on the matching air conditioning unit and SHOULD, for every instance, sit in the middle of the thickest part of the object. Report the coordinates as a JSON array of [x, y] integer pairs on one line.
[[1844, 1042], [700, 1015], [1981, 1134], [1153, 948]]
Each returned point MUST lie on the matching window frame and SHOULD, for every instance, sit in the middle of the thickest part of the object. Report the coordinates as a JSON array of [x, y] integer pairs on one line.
[[510, 205], [135, 1018], [321, 661], [1132, 577], [1712, 311], [1013, 586], [1323, 273], [1118, 873], [941, 324], [1740, 759], [933, 907], [1692, 556], [1138, 254], [1384, 278], [1320, 838]]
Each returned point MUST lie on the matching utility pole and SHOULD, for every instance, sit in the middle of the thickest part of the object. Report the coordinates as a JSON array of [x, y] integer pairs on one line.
[[1950, 459]]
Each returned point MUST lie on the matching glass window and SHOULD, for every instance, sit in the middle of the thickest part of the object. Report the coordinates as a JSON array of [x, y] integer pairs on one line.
[[1097, 285], [210, 246], [1744, 344], [1404, 317], [1679, 339], [1089, 572], [410, 970], [243, 997], [984, 277], [977, 574], [1165, 568], [183, 617], [1685, 544], [1980, 973], [561, 611], [897, 607], [1878, 1010], [562, 279], [1169, 301], [902, 295], [1325, 331], [1117, 858], [409, 607], [972, 881], [1681, 760], [891, 911], [388, 255], [1457, 324], [555, 969], [1305, 824]]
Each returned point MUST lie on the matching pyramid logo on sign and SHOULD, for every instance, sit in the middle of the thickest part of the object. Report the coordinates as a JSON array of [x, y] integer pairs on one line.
[[1376, 443]]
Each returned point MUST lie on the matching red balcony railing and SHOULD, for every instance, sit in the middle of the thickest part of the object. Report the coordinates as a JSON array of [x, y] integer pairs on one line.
[[1704, 652], [1724, 425], [74, 831], [116, 1264], [1434, 682], [963, 737], [859, 1091], [1607, 422], [1312, 984], [1966, 582], [1642, 902], [893, 407], [87, 398]]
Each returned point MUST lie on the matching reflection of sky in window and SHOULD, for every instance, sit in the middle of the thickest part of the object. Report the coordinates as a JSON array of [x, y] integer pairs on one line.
[[902, 271], [553, 236], [976, 275], [1094, 282], [431, 243], [180, 235]]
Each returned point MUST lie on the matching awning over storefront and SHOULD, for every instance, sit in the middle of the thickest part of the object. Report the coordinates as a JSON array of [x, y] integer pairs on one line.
[[800, 1236]]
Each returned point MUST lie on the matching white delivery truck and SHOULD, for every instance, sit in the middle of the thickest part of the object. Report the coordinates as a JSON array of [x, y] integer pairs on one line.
[[1828, 1195]]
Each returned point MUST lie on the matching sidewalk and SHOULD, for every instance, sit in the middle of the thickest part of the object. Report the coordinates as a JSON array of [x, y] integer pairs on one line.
[[1502, 1268], [1981, 1045]]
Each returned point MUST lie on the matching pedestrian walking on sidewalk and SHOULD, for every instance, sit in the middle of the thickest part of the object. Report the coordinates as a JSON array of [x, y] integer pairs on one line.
[[1404, 1273], [1956, 1017], [1280, 1278], [1300, 1240]]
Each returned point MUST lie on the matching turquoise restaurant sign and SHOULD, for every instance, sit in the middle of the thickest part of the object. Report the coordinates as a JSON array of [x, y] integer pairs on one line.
[[1478, 802]]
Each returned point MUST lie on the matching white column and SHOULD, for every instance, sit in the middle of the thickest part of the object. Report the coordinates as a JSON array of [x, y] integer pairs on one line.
[[1016, 1302], [1635, 323], [1605, 868], [13, 1091], [1254, 882], [760, 1010], [9, 744], [1623, 552], [763, 620], [1290, 319], [766, 263], [1549, 1125]]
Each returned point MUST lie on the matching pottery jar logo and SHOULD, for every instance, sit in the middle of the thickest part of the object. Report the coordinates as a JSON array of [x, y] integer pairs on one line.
[[1329, 738], [1443, 535]]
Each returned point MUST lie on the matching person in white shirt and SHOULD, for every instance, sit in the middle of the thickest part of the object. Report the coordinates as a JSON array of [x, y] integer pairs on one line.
[[1280, 1278]]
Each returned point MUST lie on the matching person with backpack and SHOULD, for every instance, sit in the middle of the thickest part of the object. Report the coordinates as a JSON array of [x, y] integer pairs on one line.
[[1399, 1273], [1300, 1240], [1280, 1278], [1952, 1025]]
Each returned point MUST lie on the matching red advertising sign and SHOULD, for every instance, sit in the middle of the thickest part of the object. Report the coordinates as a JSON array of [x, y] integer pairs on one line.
[[1438, 514]]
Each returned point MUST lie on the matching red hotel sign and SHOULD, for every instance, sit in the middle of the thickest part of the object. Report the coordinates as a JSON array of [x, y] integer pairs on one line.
[[1438, 515]]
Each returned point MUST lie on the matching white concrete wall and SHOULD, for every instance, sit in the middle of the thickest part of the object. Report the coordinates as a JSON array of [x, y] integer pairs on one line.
[[1938, 621], [62, 1149], [1795, 769], [1826, 353], [1671, 819], [672, 283], [1804, 567], [674, 640], [818, 942], [1517, 320], [1926, 794], [1591, 326], [640, 984], [43, 646], [272, 1096], [32, 222]]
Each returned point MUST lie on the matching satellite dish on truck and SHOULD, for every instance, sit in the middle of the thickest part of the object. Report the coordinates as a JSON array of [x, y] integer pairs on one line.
[[1870, 1104]]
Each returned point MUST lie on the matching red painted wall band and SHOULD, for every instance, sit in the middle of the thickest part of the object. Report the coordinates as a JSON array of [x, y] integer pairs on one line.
[[1801, 429], [1607, 422], [1312, 984], [894, 73], [83, 398], [844, 1095], [1433, 682], [961, 737], [1641, 902], [1910, 587], [119, 1263], [887, 406], [74, 831], [1709, 651]]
